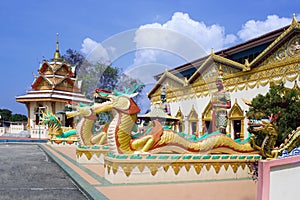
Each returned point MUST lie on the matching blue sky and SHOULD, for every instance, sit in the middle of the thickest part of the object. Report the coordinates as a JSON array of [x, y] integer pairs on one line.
[[28, 32]]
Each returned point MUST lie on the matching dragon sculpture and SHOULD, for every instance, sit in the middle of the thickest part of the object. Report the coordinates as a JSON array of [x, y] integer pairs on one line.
[[159, 140], [87, 134], [267, 148], [54, 125]]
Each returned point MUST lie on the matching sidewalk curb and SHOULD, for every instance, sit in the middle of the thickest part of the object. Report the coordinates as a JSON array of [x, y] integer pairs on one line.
[[82, 184]]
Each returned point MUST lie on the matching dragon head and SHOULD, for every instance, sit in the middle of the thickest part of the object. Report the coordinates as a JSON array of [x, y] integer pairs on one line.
[[54, 124], [122, 102], [267, 126]]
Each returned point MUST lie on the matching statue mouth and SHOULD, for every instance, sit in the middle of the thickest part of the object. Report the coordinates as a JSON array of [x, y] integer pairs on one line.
[[258, 125]]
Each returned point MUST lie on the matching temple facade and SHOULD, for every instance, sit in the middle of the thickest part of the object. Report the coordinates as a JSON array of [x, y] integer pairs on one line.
[[53, 87], [248, 70]]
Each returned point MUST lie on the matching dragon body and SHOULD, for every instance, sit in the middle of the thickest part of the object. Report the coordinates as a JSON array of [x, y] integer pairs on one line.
[[87, 135], [267, 148], [120, 130]]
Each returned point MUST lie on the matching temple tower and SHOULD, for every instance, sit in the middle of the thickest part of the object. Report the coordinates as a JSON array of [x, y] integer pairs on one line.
[[53, 87]]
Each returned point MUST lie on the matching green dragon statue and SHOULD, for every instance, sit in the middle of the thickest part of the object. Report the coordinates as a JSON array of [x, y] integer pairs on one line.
[[158, 140], [267, 148], [54, 126]]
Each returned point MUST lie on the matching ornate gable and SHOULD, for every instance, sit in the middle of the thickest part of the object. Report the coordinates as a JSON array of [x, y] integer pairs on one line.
[[289, 49], [179, 114], [207, 113], [287, 45], [170, 82], [208, 71], [193, 116], [45, 69], [42, 83], [66, 85], [236, 111], [64, 70]]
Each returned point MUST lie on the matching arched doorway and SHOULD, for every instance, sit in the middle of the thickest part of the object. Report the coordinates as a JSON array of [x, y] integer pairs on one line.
[[193, 122], [207, 118], [180, 125], [38, 113], [236, 121]]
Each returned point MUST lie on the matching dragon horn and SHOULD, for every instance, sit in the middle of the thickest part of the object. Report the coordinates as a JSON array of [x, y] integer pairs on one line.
[[72, 114], [136, 87]]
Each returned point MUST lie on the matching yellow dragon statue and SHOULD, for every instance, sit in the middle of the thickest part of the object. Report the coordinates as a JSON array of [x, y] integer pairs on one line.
[[86, 133], [159, 140], [267, 148]]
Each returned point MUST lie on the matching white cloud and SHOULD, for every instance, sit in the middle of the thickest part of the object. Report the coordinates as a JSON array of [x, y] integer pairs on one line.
[[252, 28], [88, 45], [94, 51], [180, 35], [181, 39]]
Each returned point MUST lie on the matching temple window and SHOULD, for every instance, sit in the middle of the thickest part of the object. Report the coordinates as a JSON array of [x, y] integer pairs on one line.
[[193, 122], [180, 124], [236, 121], [206, 119]]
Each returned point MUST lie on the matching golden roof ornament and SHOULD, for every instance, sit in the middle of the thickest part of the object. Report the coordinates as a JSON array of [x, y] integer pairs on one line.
[[246, 65], [294, 20], [220, 77], [57, 54]]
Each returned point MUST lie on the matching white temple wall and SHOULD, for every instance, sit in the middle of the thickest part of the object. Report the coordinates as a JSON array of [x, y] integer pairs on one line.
[[201, 103], [186, 105]]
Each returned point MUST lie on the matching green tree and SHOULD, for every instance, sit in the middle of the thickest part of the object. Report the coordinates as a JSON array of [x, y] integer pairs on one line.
[[5, 114], [98, 75], [74, 58], [278, 99], [18, 118]]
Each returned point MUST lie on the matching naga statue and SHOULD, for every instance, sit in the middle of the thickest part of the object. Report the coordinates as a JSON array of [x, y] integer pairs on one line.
[[54, 126], [267, 148], [87, 134], [158, 139]]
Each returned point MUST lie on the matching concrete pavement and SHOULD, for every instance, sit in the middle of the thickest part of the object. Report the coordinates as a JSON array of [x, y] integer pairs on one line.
[[90, 179]]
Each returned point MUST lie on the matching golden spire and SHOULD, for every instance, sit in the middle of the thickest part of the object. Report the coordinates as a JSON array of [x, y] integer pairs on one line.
[[57, 54], [220, 73], [294, 21]]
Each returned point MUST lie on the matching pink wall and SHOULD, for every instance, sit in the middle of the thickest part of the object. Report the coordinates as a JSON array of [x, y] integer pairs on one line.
[[264, 169]]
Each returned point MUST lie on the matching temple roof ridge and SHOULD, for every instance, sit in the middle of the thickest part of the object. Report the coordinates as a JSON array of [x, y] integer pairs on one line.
[[294, 25]]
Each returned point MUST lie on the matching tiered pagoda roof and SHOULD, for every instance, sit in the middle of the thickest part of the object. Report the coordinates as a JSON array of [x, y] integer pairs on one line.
[[56, 82]]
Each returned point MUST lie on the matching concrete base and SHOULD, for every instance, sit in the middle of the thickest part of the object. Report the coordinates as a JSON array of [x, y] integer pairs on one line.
[[91, 156], [177, 168]]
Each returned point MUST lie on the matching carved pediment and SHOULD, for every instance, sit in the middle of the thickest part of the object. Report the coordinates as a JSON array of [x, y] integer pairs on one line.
[[289, 49], [45, 69], [179, 114], [64, 71], [207, 113], [236, 111], [42, 83], [193, 116]]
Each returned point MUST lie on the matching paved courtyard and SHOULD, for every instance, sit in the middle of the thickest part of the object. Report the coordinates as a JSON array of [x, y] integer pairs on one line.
[[27, 172], [33, 172]]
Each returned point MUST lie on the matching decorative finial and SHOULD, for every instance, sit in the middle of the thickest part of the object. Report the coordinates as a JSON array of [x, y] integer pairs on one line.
[[220, 77], [294, 20], [247, 65], [247, 62], [57, 54]]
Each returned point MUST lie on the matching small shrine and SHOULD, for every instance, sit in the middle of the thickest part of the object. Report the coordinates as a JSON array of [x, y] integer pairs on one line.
[[52, 88]]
